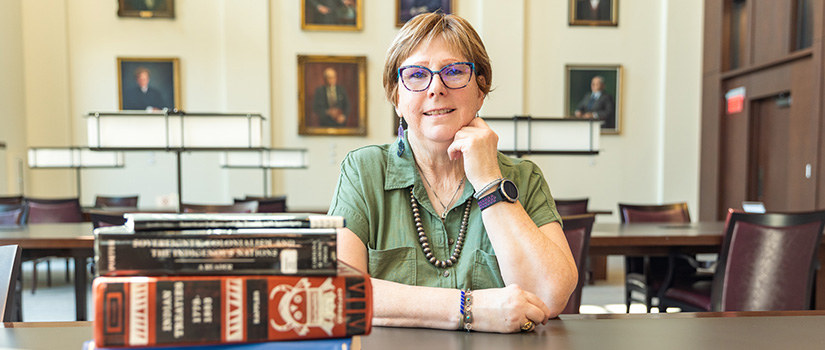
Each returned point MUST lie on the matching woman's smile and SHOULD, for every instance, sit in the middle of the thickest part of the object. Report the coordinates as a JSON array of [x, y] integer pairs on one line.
[[440, 112]]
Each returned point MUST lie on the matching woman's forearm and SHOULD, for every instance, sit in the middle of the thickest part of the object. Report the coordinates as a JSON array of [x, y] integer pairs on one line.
[[536, 259], [400, 305]]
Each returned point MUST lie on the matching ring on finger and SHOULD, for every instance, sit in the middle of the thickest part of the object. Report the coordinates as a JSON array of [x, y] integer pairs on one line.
[[528, 326]]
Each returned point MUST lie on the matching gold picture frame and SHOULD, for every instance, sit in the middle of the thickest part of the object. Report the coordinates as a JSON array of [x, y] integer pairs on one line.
[[407, 9], [578, 95], [149, 84], [146, 8], [594, 13], [332, 15], [332, 95]]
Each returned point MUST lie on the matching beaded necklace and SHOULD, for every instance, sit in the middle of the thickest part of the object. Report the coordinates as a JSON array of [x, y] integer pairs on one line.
[[425, 241]]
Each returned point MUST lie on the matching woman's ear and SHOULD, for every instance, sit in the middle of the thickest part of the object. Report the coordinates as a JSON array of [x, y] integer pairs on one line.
[[481, 81]]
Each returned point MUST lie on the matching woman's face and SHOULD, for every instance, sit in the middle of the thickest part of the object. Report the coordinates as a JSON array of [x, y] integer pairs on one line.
[[438, 112]]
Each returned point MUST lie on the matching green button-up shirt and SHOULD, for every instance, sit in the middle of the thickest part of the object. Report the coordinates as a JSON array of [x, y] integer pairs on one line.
[[373, 194]]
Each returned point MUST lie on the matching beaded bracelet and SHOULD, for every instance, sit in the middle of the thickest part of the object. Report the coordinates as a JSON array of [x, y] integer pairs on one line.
[[467, 309]]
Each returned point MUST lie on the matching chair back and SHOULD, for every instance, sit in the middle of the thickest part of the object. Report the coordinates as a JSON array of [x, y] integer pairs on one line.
[[267, 204], [577, 230], [243, 207], [12, 214], [53, 210], [676, 212], [104, 220], [11, 200], [767, 261], [124, 202], [568, 207], [9, 273]]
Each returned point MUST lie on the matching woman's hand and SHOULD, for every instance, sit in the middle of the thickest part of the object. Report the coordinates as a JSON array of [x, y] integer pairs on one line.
[[478, 144], [505, 310]]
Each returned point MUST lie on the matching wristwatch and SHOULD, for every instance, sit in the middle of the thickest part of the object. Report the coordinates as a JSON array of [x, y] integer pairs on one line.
[[506, 191]]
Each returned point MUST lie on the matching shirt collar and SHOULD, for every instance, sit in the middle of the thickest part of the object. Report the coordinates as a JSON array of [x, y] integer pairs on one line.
[[401, 172]]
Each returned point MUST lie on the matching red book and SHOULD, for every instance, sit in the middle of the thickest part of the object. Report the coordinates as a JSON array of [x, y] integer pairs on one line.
[[167, 310]]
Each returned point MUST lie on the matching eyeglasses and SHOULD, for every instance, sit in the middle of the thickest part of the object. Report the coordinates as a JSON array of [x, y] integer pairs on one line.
[[454, 76]]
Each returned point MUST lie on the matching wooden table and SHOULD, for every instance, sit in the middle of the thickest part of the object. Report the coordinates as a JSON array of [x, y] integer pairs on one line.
[[658, 239], [727, 330], [73, 240]]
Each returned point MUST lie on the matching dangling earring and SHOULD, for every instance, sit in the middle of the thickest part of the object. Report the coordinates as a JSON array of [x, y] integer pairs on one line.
[[400, 136]]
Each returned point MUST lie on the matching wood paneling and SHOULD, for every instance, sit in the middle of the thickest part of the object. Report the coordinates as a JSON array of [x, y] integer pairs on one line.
[[771, 29], [769, 68]]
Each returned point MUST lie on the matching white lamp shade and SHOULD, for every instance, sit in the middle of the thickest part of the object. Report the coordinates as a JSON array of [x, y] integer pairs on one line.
[[547, 134], [268, 158], [161, 131], [73, 157]]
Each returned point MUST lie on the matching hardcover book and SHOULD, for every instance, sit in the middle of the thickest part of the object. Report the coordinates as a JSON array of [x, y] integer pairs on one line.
[[316, 344], [202, 310], [163, 221], [264, 251]]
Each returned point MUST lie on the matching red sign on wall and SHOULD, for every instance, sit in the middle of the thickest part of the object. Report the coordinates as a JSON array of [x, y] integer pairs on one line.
[[735, 100]]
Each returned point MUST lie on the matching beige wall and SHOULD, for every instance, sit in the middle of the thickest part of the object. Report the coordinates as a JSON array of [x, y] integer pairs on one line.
[[12, 118], [241, 56]]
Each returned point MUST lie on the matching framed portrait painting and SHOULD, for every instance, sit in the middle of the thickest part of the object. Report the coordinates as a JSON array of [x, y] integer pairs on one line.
[[595, 91], [334, 15], [405, 10], [146, 8], [594, 12], [332, 95], [148, 84]]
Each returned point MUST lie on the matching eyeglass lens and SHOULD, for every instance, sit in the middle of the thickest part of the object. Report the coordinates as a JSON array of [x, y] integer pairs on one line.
[[454, 76]]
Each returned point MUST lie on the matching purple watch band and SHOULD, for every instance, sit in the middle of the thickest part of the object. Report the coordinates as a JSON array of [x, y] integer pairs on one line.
[[488, 200]]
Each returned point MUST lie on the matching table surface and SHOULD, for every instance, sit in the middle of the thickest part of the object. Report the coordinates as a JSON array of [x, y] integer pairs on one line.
[[45, 236], [729, 330]]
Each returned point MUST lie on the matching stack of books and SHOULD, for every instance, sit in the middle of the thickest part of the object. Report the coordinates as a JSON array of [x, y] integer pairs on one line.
[[229, 279]]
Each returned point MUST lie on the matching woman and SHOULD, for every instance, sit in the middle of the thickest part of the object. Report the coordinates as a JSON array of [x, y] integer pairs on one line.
[[433, 250]]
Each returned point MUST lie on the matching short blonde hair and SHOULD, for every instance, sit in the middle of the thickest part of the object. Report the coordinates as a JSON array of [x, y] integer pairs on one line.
[[424, 28]]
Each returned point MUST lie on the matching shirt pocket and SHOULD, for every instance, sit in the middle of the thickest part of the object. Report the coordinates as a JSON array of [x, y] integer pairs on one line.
[[486, 273], [396, 264]]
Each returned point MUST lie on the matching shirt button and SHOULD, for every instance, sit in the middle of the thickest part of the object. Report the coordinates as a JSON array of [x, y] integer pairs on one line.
[[446, 274], [450, 241]]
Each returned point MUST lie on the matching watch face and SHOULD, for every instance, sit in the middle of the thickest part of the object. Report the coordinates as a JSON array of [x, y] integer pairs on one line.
[[510, 190]]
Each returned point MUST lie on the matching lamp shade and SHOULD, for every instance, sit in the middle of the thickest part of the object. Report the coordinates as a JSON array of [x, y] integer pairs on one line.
[[524, 134], [148, 130], [271, 158], [73, 157]]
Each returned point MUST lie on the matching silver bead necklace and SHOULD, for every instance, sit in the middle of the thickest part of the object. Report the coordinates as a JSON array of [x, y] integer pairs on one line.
[[425, 242]]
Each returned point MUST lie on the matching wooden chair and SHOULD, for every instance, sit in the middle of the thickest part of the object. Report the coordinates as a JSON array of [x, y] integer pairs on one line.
[[267, 204], [577, 230], [11, 200], [568, 207], [767, 263], [121, 202], [12, 214], [9, 287], [53, 210], [645, 275], [38, 211], [243, 207]]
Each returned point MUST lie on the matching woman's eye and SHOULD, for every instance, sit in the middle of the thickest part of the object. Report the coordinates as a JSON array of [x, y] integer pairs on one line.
[[418, 75]]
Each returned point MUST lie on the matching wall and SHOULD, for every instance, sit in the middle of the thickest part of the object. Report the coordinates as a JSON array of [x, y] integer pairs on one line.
[[249, 52], [223, 47], [12, 119]]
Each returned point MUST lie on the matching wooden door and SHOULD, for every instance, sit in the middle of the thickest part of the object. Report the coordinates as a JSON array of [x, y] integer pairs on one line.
[[768, 173]]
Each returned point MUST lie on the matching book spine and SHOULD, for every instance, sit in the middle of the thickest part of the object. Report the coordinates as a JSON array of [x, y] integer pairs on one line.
[[310, 222], [153, 255], [147, 311]]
